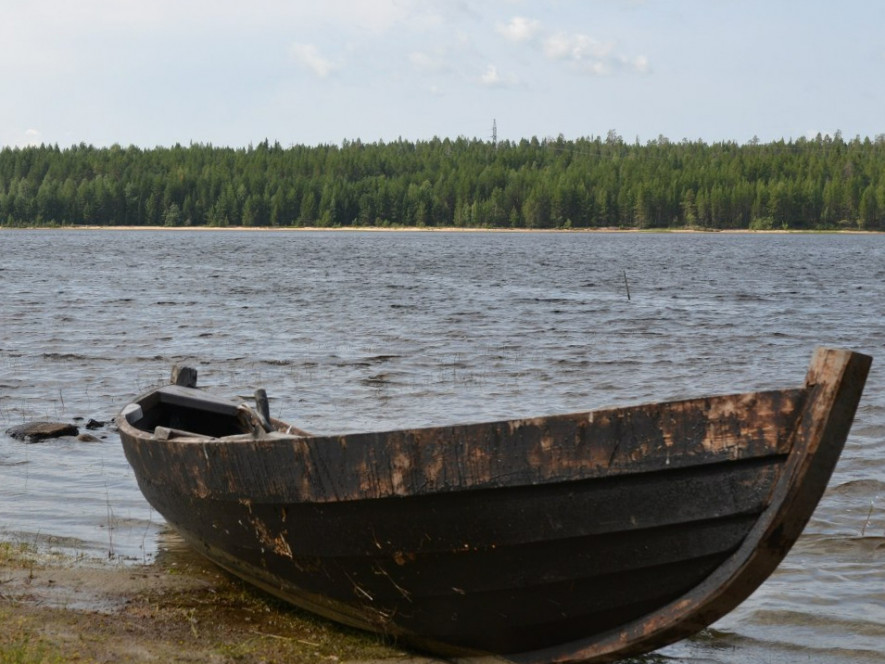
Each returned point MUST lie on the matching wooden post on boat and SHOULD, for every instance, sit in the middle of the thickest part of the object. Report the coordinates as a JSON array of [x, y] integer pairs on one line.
[[263, 407], [184, 376]]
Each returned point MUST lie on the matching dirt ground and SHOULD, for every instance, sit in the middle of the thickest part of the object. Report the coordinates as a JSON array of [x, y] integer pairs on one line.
[[54, 609]]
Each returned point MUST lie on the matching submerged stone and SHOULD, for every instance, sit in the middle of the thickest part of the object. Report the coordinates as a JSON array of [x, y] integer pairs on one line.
[[33, 432]]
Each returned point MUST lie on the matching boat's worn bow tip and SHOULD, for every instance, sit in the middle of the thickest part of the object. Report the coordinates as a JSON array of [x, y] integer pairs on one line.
[[827, 360]]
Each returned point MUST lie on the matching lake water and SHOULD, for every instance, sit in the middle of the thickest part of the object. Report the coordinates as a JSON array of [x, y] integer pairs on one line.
[[355, 331]]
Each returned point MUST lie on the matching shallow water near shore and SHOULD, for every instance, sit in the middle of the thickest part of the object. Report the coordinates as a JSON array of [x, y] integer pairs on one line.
[[357, 331]]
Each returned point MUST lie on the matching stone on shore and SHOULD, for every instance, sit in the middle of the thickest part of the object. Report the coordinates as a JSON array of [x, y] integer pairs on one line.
[[33, 432]]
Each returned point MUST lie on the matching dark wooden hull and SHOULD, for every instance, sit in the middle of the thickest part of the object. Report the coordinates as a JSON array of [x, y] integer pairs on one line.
[[582, 537]]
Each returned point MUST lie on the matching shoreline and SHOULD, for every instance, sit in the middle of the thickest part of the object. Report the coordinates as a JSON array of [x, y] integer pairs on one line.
[[446, 229], [180, 608]]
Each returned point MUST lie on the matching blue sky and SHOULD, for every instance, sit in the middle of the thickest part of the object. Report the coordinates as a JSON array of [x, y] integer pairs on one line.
[[234, 72]]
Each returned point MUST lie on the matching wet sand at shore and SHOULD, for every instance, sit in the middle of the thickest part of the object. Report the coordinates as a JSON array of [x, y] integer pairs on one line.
[[179, 609]]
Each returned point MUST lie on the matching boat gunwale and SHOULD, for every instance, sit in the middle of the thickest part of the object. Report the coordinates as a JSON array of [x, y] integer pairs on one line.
[[410, 454]]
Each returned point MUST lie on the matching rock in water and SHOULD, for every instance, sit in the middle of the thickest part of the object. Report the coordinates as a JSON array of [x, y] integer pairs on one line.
[[33, 432]]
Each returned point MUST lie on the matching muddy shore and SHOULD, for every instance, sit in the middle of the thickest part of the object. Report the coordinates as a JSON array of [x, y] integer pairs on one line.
[[178, 609]]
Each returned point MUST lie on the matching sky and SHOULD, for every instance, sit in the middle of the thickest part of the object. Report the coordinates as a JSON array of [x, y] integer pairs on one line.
[[236, 72]]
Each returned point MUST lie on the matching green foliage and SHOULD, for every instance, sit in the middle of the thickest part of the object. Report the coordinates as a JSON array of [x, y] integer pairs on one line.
[[762, 224], [584, 183]]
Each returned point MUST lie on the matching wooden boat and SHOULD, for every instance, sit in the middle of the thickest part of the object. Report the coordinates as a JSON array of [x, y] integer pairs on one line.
[[573, 538]]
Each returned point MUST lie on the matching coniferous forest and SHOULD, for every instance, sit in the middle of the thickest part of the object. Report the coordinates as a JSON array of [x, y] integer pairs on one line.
[[821, 183]]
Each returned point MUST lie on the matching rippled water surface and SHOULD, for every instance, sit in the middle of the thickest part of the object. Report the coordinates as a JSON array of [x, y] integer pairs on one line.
[[355, 331]]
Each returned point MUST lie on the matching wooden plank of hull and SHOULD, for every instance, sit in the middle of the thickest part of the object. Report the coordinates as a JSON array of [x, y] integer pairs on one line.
[[475, 570], [583, 583], [598, 444], [585, 537], [518, 619], [513, 516]]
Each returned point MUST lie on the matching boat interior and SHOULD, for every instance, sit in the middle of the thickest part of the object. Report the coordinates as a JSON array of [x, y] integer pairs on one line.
[[184, 410]]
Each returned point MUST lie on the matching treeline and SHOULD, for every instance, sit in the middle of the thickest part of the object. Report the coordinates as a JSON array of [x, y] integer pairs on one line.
[[556, 183]]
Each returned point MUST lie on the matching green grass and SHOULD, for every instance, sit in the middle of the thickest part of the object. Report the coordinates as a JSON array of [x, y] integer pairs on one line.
[[18, 646]]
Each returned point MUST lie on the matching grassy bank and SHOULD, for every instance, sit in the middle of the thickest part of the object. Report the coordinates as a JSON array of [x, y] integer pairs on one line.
[[179, 609]]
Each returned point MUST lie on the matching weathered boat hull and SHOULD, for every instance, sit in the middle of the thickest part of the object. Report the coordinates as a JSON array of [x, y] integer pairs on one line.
[[582, 537]]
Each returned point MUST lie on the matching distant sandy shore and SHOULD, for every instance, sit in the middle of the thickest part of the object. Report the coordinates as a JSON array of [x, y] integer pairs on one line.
[[452, 229]]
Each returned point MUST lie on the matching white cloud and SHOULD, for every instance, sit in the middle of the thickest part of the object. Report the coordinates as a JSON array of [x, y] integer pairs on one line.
[[368, 15], [587, 55], [86, 15], [32, 137], [309, 57], [492, 78], [519, 29], [576, 47], [429, 63], [640, 64], [582, 53], [21, 139]]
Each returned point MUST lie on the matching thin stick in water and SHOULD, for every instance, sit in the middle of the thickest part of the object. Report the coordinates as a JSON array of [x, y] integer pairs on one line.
[[863, 531], [626, 285]]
